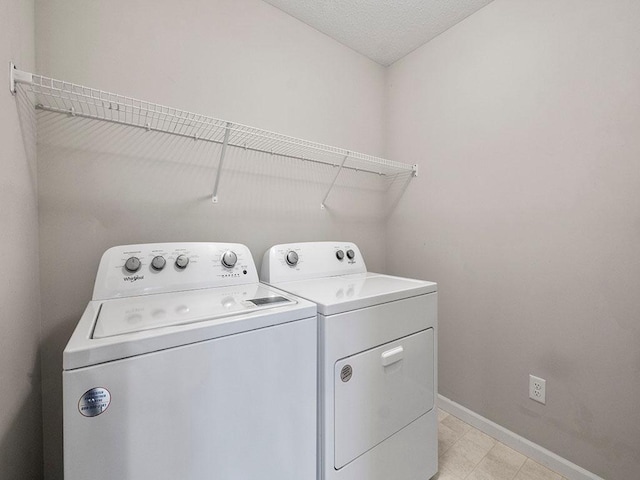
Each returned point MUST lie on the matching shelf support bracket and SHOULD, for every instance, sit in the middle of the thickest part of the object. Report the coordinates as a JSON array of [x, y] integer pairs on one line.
[[414, 169], [223, 152], [17, 76], [326, 195]]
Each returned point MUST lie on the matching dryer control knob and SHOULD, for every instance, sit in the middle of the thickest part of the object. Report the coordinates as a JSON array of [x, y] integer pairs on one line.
[[351, 254], [229, 259], [182, 261], [158, 262], [340, 255], [132, 264], [292, 258]]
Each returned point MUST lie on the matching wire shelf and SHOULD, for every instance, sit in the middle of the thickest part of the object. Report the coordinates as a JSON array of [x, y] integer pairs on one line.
[[77, 100]]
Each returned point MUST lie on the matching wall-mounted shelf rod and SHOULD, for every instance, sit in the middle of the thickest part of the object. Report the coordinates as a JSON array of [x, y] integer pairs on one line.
[[17, 76], [326, 195], [85, 102], [225, 143]]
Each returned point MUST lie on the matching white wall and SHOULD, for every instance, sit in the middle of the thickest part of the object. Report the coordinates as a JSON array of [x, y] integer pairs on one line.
[[20, 400], [525, 121], [102, 185]]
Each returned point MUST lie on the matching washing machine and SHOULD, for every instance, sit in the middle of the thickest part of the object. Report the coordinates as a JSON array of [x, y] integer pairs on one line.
[[184, 366], [377, 351]]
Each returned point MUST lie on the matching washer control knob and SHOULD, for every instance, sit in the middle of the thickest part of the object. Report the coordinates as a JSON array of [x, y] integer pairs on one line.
[[132, 264], [229, 259], [292, 258], [351, 254], [182, 261], [340, 255], [158, 262]]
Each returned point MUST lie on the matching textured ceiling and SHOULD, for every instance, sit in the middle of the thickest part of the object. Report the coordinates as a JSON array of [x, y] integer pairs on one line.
[[383, 30]]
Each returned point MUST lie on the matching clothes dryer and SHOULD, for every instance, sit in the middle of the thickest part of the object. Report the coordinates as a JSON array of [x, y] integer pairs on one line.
[[377, 361], [184, 366]]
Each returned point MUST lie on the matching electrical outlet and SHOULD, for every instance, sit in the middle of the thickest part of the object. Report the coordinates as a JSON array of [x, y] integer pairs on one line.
[[538, 389]]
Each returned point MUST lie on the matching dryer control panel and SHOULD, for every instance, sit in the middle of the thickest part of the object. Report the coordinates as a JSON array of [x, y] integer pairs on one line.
[[302, 261], [144, 269]]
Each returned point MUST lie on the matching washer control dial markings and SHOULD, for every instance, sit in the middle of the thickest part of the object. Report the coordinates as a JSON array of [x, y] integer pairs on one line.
[[291, 258], [229, 259], [158, 262], [132, 264], [182, 261]]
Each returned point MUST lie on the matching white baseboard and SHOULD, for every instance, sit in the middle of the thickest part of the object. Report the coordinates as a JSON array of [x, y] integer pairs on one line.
[[520, 444]]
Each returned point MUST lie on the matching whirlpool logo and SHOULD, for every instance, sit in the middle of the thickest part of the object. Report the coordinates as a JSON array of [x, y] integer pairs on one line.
[[134, 278]]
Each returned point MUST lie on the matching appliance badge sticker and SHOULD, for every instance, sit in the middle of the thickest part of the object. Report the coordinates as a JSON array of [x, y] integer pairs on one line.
[[94, 402]]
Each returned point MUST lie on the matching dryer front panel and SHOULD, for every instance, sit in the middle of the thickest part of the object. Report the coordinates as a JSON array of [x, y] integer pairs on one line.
[[380, 391]]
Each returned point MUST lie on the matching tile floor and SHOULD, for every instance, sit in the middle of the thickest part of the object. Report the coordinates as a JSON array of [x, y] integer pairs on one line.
[[468, 454]]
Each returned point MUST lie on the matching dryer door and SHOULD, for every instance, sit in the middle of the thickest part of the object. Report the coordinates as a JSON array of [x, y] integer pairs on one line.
[[380, 391]]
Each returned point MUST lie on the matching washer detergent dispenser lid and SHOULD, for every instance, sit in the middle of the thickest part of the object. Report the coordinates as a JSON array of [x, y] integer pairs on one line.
[[333, 275], [155, 296]]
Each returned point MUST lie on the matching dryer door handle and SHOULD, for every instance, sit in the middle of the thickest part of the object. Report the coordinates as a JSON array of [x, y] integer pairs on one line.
[[392, 356]]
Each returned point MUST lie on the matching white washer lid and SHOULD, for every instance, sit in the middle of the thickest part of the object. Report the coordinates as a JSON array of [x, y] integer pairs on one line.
[[125, 327], [344, 293], [135, 314]]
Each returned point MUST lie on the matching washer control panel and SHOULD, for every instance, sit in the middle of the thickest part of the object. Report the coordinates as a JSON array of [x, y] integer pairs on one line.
[[300, 261], [144, 269]]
